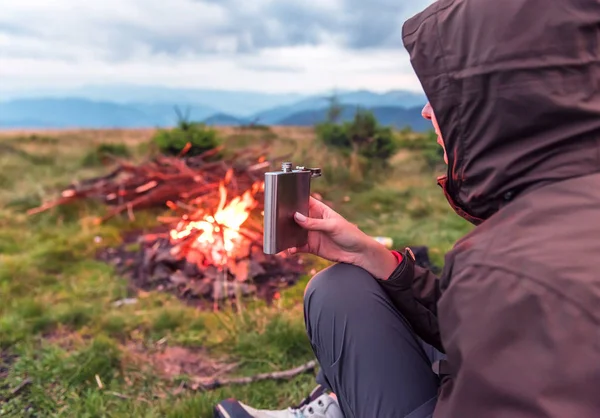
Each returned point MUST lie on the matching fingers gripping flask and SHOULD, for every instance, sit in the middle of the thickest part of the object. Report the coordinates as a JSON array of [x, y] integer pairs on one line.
[[286, 192]]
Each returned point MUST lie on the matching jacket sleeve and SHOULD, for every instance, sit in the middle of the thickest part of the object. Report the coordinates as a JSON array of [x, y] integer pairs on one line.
[[415, 292], [517, 347]]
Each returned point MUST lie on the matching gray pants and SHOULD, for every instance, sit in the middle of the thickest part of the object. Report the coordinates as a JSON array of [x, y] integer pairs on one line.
[[368, 354]]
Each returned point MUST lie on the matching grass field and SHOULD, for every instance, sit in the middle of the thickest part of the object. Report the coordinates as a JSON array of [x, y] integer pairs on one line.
[[73, 353]]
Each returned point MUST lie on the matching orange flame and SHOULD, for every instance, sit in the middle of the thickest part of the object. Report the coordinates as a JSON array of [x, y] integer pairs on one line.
[[219, 235]]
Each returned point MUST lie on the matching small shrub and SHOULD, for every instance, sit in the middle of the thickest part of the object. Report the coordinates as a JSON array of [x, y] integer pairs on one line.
[[363, 136], [334, 135], [198, 135], [366, 145], [374, 141]]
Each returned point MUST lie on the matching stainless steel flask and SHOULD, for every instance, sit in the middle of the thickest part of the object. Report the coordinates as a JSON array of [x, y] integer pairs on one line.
[[286, 192]]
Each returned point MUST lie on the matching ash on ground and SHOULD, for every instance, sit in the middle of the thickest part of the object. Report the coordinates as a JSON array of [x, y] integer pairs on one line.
[[153, 265]]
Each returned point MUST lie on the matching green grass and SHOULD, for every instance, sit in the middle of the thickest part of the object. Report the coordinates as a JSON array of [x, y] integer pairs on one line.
[[60, 329]]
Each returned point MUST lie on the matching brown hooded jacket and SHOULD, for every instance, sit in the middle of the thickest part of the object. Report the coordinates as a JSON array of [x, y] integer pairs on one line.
[[515, 86]]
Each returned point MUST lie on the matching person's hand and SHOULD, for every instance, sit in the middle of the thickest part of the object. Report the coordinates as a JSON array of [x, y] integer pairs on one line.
[[330, 236], [333, 238]]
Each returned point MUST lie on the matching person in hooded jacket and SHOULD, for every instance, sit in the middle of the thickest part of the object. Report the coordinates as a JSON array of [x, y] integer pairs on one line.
[[512, 326]]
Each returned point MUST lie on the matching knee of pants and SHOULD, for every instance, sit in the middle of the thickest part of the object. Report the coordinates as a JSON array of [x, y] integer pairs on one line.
[[326, 286]]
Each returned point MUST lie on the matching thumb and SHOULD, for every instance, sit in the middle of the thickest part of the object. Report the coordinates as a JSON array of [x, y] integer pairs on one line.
[[314, 224]]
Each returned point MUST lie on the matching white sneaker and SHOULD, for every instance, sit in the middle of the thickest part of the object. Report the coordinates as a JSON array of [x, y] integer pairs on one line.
[[317, 405]]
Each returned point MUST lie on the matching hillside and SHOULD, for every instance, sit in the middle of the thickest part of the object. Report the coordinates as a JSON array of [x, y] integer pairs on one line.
[[244, 103]]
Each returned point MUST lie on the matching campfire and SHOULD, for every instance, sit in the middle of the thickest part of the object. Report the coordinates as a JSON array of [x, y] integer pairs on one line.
[[209, 238], [210, 247], [213, 254]]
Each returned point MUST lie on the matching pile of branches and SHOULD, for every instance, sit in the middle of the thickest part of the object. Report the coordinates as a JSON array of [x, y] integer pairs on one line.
[[176, 181]]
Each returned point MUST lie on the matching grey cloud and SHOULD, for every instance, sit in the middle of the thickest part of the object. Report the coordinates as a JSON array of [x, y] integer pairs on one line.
[[378, 24], [277, 24], [357, 23], [183, 26]]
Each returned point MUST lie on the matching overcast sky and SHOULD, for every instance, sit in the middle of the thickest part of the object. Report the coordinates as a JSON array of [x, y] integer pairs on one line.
[[265, 45]]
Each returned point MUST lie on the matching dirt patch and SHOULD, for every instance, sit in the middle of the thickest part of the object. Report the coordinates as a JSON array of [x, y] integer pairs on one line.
[[173, 362], [168, 362], [65, 338], [177, 361]]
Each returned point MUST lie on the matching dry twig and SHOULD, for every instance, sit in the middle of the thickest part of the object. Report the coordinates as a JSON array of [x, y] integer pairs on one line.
[[214, 383], [14, 392]]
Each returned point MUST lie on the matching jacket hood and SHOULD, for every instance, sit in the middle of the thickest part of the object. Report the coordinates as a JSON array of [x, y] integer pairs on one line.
[[515, 87]]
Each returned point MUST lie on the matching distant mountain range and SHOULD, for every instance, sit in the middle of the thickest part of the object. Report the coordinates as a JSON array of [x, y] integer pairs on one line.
[[156, 107], [397, 117], [241, 103]]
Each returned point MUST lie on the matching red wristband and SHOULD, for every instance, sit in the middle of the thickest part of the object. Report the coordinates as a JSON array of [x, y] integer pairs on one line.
[[398, 256]]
